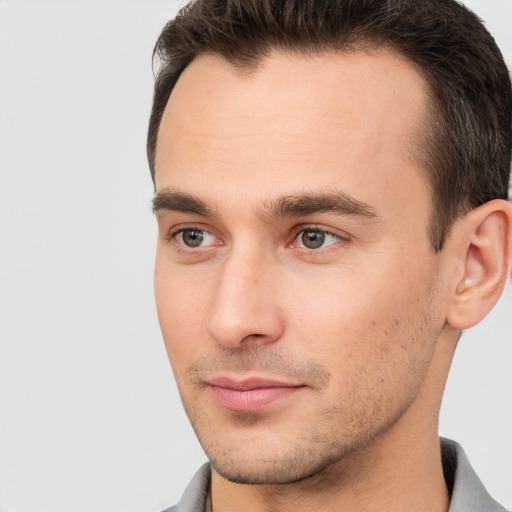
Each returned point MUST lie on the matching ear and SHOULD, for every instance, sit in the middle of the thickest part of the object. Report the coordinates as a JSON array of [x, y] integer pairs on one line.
[[484, 254]]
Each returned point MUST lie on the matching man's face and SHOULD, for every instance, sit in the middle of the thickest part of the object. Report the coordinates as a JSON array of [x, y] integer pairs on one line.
[[295, 283]]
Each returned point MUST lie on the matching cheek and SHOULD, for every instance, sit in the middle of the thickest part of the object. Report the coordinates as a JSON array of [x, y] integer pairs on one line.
[[362, 321], [181, 317]]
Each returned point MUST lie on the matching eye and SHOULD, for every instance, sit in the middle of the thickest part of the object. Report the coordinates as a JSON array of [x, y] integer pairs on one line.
[[195, 238], [315, 239]]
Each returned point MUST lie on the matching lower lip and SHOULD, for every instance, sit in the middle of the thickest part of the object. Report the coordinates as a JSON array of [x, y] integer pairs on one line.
[[251, 400]]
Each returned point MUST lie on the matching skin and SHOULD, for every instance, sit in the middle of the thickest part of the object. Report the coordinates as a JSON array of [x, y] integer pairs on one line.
[[359, 325]]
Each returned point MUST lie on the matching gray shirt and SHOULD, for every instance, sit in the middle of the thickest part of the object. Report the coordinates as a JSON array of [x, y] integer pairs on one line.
[[467, 492]]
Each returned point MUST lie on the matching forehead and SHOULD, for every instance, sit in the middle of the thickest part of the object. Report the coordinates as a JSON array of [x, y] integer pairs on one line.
[[347, 119]]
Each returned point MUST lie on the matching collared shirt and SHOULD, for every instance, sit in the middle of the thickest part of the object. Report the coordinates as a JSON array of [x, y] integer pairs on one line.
[[467, 491]]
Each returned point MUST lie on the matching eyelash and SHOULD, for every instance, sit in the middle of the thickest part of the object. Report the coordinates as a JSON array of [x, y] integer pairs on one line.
[[172, 235], [314, 229]]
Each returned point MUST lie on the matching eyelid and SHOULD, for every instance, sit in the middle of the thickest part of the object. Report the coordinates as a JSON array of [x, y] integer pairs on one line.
[[300, 244], [175, 231], [342, 236], [206, 238]]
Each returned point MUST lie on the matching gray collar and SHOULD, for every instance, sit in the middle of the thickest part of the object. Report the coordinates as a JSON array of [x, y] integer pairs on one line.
[[467, 492]]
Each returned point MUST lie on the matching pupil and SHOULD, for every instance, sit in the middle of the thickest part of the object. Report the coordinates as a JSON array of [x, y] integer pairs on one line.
[[192, 237], [313, 239]]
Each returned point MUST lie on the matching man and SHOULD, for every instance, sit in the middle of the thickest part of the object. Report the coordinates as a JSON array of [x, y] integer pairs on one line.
[[331, 181]]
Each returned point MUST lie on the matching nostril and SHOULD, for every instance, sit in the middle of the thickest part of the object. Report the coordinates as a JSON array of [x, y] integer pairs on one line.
[[252, 337]]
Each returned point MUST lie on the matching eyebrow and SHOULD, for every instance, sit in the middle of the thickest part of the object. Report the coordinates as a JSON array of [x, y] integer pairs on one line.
[[335, 202], [302, 205], [170, 200]]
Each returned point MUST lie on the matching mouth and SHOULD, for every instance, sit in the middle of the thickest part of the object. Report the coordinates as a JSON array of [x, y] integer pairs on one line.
[[250, 395]]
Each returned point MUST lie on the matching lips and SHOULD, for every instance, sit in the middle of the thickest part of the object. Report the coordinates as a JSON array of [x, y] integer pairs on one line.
[[250, 395]]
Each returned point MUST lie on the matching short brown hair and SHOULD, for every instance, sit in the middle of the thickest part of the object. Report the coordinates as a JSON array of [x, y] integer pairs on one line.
[[466, 149]]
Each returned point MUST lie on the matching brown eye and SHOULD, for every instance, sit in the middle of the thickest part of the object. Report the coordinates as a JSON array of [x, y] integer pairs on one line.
[[194, 237], [315, 239], [312, 239]]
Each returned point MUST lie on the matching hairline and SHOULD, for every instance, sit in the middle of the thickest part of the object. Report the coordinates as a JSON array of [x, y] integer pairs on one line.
[[421, 143]]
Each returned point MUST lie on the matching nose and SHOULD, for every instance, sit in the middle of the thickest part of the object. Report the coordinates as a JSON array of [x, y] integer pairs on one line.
[[245, 309]]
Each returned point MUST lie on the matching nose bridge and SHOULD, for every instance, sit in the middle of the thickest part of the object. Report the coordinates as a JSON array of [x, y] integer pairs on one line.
[[243, 306]]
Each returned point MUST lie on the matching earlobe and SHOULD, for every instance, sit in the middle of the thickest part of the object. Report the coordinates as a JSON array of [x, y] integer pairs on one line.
[[485, 253]]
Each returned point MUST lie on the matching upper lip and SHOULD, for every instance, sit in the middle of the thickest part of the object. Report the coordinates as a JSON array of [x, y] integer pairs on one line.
[[249, 383]]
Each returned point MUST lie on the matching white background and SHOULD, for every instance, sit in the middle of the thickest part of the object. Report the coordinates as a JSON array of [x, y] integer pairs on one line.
[[89, 417]]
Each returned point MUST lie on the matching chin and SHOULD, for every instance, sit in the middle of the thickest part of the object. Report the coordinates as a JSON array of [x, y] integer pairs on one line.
[[277, 472], [274, 460]]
